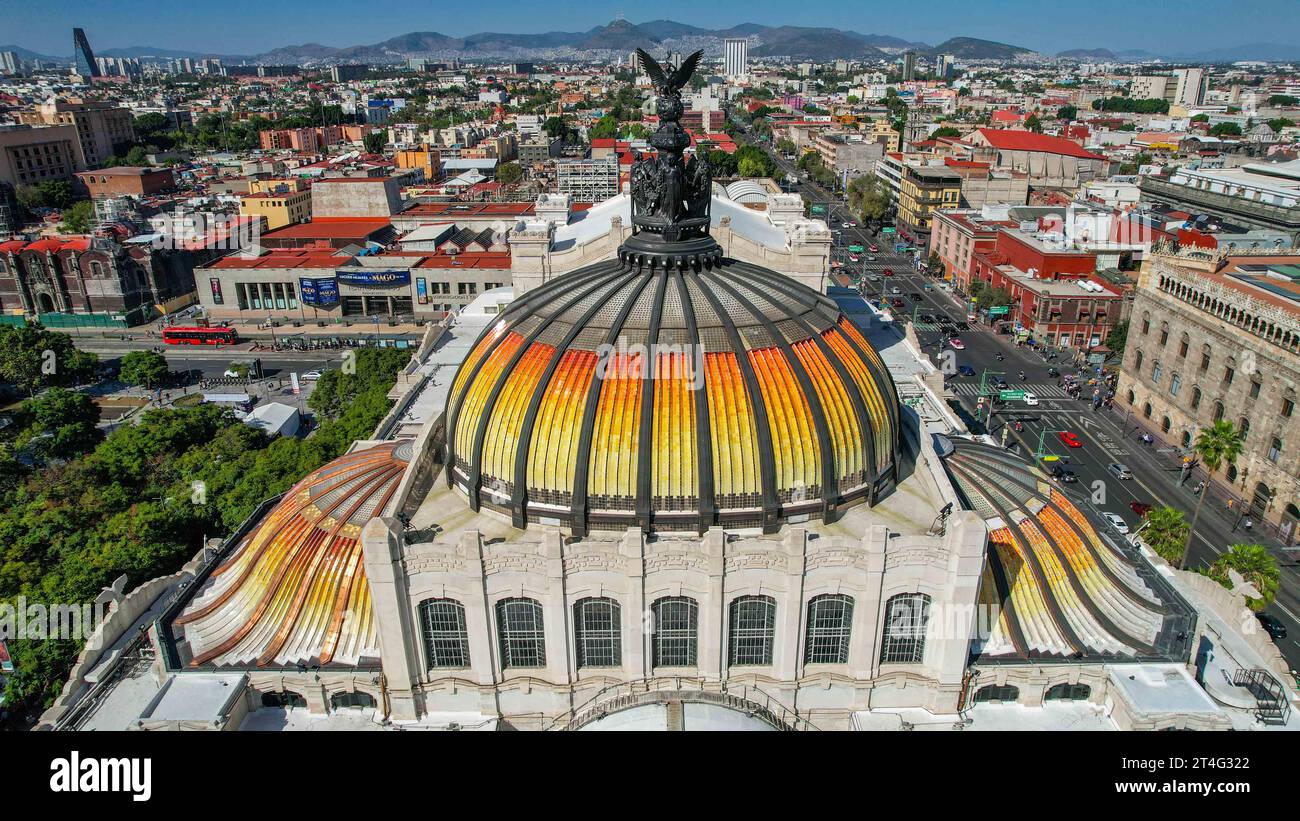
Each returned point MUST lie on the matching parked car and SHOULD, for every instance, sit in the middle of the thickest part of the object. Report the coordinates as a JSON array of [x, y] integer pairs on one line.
[[1070, 440], [1120, 470], [310, 376], [1140, 508], [1275, 628], [1116, 522]]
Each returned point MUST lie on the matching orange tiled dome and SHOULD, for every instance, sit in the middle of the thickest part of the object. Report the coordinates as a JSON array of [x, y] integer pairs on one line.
[[671, 399]]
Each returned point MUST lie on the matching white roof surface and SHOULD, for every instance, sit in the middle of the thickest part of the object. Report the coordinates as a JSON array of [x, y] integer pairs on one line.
[[194, 697], [594, 222]]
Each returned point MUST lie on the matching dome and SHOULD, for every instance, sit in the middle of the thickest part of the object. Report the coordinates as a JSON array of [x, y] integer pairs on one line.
[[294, 591], [579, 406]]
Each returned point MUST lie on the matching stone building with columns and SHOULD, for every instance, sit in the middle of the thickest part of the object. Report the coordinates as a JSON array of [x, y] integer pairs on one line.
[[1216, 335]]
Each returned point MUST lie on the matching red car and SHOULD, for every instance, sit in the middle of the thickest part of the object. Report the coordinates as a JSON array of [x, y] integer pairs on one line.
[[873, 248], [1069, 439], [1140, 508], [889, 272]]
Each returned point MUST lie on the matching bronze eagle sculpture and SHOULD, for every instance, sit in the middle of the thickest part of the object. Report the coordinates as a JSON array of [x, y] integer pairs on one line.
[[665, 83]]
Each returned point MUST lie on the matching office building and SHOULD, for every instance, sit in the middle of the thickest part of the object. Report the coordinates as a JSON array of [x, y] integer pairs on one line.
[[945, 66], [101, 126], [1152, 87], [30, 155], [736, 59], [909, 66], [83, 56], [1190, 87]]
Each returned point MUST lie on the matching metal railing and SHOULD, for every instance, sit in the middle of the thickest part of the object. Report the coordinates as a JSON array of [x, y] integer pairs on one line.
[[1271, 705], [741, 697]]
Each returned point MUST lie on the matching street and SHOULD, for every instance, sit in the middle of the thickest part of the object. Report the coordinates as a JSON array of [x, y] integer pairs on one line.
[[1102, 434]]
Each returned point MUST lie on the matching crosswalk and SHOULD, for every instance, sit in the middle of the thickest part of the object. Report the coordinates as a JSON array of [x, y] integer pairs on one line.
[[1043, 390]]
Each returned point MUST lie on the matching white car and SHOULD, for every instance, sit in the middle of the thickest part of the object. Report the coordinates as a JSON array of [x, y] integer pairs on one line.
[[1116, 522], [1030, 399], [310, 376]]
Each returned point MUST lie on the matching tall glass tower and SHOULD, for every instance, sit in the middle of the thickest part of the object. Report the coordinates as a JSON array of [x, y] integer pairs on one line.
[[86, 65]]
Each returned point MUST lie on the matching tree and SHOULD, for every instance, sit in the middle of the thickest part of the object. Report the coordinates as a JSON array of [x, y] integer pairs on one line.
[[1117, 337], [1282, 100], [934, 265], [1131, 105], [1201, 118], [869, 198], [604, 128], [1257, 567], [1068, 113], [510, 173], [374, 142], [752, 161], [64, 424], [555, 127], [146, 368], [1165, 532], [78, 219], [1225, 129], [1279, 123], [33, 358], [46, 194], [786, 146], [1219, 444]]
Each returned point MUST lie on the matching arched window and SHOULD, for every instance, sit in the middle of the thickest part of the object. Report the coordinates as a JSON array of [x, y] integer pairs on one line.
[[1137, 361], [342, 701], [1146, 409], [1132, 397], [1231, 472], [1164, 333], [1275, 449], [1183, 344], [520, 633], [906, 617], [753, 630], [1218, 411], [1196, 398], [1067, 692], [994, 692], [676, 632], [1244, 427], [1165, 424], [830, 623], [1206, 350], [446, 641], [1187, 438], [1146, 323], [598, 632], [96, 270]]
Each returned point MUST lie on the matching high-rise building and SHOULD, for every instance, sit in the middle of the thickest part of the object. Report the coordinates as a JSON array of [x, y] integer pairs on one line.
[[101, 126], [737, 57], [909, 65], [1191, 85], [86, 65], [9, 62], [946, 62]]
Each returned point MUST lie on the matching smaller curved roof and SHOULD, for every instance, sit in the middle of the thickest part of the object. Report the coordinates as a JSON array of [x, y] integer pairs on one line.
[[294, 591], [746, 191]]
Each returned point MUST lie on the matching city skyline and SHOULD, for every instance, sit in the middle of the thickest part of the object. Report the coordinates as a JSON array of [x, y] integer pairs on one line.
[[1162, 27]]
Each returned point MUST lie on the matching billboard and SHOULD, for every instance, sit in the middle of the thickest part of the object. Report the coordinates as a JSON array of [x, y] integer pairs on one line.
[[320, 292]]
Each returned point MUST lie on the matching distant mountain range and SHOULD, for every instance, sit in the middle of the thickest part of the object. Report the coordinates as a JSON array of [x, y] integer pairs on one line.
[[796, 42]]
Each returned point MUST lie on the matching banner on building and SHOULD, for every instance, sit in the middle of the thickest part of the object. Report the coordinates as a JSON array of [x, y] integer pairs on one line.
[[366, 277], [319, 292], [421, 291]]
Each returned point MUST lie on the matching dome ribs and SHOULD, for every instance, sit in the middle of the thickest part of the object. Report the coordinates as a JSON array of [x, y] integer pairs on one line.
[[468, 373], [829, 480], [518, 499], [649, 385], [703, 430], [763, 428], [581, 467], [476, 466]]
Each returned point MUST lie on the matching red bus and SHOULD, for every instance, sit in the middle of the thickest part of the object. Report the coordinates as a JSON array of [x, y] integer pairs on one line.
[[200, 336]]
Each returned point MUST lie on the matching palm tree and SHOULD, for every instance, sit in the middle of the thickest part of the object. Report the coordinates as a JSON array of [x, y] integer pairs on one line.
[[1256, 566], [1165, 532], [1215, 445]]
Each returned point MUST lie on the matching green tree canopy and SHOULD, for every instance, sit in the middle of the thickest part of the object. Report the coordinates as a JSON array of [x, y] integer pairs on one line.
[[1256, 565], [510, 173], [63, 424], [146, 368], [1225, 129], [1165, 532], [32, 358]]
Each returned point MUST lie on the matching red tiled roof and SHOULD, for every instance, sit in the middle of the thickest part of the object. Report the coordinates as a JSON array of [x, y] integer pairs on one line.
[[331, 227], [1012, 140], [296, 258], [486, 259]]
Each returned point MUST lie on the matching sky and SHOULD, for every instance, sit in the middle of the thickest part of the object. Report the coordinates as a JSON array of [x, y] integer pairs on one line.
[[253, 26]]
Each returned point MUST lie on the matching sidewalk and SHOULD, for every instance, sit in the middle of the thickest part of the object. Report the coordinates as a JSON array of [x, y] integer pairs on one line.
[[254, 328]]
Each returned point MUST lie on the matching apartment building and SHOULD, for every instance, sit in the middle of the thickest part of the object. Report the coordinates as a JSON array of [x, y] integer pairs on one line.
[[588, 180], [101, 127], [30, 155], [923, 190]]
